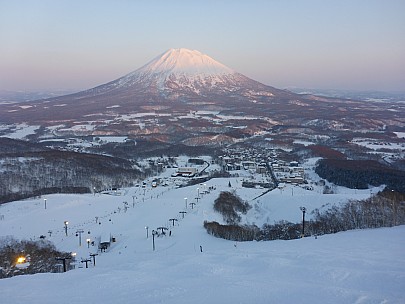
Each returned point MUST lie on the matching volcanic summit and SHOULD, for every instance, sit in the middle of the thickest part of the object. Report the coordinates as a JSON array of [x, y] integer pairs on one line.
[[176, 78], [173, 87], [181, 73]]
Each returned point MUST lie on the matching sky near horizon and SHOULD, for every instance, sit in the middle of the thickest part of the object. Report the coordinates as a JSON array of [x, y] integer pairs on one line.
[[75, 45]]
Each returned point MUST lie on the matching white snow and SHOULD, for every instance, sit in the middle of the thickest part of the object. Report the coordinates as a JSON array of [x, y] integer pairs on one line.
[[400, 134], [25, 107], [378, 145], [21, 131], [184, 68], [110, 139], [77, 129], [185, 61], [303, 142], [349, 267], [236, 117]]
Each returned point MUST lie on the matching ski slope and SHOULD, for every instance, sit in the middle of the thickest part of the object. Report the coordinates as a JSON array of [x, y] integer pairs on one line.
[[365, 266]]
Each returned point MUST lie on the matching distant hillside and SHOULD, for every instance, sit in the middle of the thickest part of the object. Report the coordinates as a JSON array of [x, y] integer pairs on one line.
[[27, 170], [360, 174]]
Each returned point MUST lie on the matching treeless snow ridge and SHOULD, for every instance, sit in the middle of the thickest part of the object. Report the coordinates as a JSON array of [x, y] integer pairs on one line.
[[363, 266]]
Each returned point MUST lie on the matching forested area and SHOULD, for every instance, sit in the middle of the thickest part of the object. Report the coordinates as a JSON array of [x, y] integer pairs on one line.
[[151, 148], [359, 174], [386, 209], [27, 174], [35, 257]]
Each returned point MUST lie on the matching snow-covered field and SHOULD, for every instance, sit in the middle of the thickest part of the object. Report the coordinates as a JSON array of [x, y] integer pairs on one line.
[[21, 131], [377, 145], [350, 267]]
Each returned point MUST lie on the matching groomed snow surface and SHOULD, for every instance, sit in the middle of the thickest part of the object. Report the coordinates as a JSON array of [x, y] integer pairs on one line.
[[363, 266]]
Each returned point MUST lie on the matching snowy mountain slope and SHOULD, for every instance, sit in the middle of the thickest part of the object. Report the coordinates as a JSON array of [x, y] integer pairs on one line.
[[183, 70], [182, 81], [178, 76], [184, 61], [351, 267]]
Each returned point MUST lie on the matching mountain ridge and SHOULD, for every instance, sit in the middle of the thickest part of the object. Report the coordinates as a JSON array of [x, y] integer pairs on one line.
[[179, 82], [182, 69], [178, 78]]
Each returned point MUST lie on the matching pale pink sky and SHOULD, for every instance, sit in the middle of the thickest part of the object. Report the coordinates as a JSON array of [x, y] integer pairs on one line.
[[338, 44]]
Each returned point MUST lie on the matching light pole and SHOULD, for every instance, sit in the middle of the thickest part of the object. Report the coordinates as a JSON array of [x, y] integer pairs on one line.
[[185, 199], [153, 238], [88, 242], [198, 192], [66, 227], [79, 234], [147, 231], [303, 209], [45, 202]]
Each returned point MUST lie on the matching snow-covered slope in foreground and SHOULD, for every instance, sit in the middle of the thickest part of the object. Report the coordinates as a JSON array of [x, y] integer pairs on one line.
[[351, 267]]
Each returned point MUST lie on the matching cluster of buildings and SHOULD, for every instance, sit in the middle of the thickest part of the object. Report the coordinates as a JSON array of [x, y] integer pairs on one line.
[[288, 173], [265, 162], [246, 159]]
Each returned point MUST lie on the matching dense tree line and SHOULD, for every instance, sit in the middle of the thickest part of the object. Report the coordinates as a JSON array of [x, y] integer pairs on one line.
[[360, 174], [151, 148], [28, 174], [9, 145], [326, 152], [232, 232], [40, 257], [386, 209]]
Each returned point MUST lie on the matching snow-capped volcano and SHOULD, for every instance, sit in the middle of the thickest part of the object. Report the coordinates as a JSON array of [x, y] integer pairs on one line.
[[178, 72], [180, 83], [178, 78], [180, 68], [185, 62]]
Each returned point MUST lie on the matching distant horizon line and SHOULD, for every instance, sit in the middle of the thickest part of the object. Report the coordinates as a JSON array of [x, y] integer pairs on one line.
[[74, 90]]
